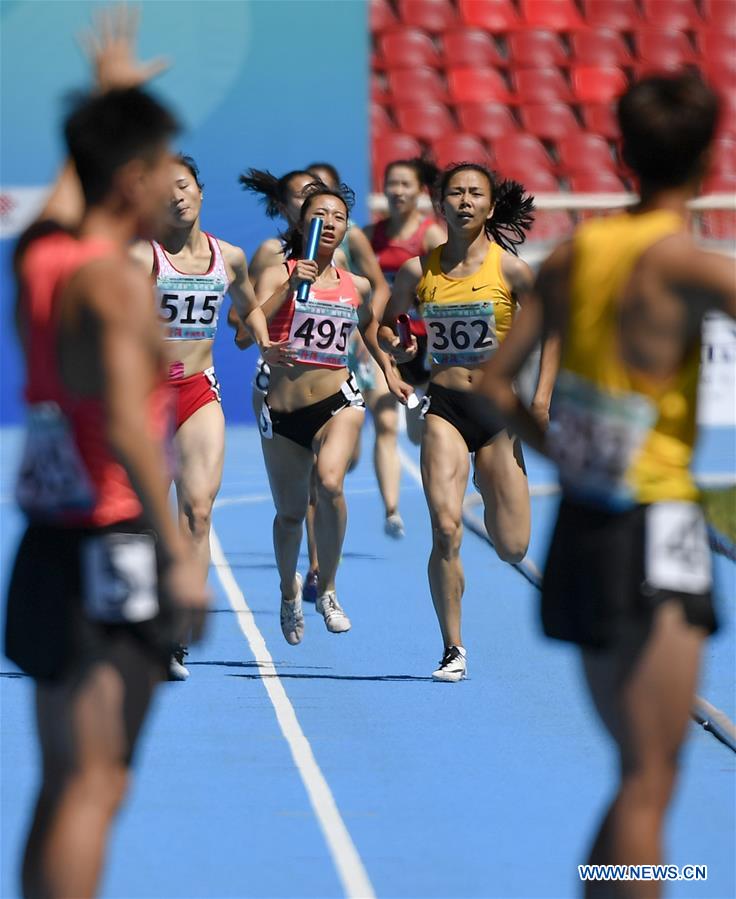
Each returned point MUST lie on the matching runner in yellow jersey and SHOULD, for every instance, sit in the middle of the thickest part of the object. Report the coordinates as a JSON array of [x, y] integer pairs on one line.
[[628, 576], [467, 291]]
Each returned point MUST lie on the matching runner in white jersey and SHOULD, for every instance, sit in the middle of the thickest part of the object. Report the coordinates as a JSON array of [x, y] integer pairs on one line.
[[193, 272]]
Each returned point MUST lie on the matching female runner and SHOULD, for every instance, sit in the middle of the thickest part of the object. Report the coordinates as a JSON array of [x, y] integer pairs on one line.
[[467, 291], [313, 411], [193, 271]]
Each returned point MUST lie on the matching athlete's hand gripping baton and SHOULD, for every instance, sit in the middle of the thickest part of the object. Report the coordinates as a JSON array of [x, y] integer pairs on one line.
[[315, 232]]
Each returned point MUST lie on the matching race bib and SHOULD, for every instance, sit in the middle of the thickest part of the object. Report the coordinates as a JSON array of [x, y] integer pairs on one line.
[[677, 549], [320, 332], [462, 334], [188, 311], [594, 437], [120, 580], [52, 479]]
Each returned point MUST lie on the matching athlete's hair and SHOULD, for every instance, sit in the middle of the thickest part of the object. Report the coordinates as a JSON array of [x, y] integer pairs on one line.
[[513, 208], [294, 238], [103, 133], [425, 170], [273, 191], [189, 163], [667, 122], [327, 167]]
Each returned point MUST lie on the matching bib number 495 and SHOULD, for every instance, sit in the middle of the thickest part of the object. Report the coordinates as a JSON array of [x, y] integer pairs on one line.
[[324, 333]]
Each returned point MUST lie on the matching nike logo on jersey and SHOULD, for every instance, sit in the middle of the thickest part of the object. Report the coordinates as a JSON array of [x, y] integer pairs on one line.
[[482, 287], [344, 299]]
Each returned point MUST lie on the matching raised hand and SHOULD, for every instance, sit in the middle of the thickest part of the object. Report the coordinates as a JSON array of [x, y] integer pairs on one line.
[[110, 47]]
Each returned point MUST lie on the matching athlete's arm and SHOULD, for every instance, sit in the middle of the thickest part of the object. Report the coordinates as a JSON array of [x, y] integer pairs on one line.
[[705, 280], [542, 315], [368, 327], [401, 301], [268, 253], [520, 279], [246, 304], [367, 265]]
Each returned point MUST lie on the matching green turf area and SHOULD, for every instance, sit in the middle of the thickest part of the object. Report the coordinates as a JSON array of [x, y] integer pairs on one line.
[[720, 509]]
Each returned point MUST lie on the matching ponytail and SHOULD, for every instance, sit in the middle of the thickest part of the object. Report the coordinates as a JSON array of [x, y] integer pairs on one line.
[[272, 190]]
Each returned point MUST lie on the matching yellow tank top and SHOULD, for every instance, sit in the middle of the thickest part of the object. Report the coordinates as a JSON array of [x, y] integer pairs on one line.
[[619, 438], [465, 317]]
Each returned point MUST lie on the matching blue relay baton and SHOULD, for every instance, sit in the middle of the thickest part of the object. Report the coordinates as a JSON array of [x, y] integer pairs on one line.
[[315, 232]]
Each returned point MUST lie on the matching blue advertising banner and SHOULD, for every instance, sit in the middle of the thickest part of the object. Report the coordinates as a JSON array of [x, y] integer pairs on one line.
[[267, 83]]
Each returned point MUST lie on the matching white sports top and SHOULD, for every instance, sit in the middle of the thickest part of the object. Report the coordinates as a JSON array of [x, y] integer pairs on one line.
[[189, 305]]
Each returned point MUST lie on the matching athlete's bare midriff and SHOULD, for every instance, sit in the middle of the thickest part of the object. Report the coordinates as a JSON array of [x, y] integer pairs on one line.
[[300, 386], [195, 355], [456, 377]]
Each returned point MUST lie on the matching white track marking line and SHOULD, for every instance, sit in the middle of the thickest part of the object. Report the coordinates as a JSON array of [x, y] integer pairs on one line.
[[345, 857]]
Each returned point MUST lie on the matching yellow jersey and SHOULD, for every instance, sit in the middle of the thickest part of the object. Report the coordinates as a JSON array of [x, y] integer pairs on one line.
[[465, 317], [619, 438]]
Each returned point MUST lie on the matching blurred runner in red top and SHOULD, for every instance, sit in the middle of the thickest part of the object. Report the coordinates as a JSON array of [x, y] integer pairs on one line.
[[102, 576]]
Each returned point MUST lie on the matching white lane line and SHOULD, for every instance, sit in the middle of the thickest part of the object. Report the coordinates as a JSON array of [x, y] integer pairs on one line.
[[348, 864]]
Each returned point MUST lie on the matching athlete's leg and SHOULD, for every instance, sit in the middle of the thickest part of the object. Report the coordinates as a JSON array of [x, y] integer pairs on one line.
[[200, 443], [87, 727], [312, 580], [383, 407], [333, 446], [643, 692], [501, 477], [445, 465], [414, 424], [288, 466]]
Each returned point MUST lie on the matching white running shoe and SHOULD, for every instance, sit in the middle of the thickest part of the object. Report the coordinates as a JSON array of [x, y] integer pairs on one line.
[[292, 617], [336, 621], [177, 669], [453, 665], [394, 526]]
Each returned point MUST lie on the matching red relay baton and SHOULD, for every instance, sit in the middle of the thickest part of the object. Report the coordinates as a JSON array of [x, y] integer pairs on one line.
[[404, 329]]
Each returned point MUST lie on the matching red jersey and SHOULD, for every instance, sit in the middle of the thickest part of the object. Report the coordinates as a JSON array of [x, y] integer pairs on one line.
[[320, 329], [392, 254], [69, 474]]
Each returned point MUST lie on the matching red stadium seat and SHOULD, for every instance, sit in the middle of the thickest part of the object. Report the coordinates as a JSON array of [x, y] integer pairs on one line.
[[407, 48], [719, 14], [720, 183], [593, 84], [379, 91], [600, 48], [540, 85], [534, 49], [382, 16], [600, 118], [459, 148], [426, 121], [585, 153], [494, 16], [391, 146], [520, 151], [672, 14], [471, 85], [488, 120], [415, 85], [549, 121], [380, 121], [719, 47], [434, 16], [534, 180], [666, 50], [724, 156], [470, 47], [554, 15], [618, 15], [603, 182]]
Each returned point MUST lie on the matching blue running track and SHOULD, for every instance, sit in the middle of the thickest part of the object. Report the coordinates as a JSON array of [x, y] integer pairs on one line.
[[391, 785]]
